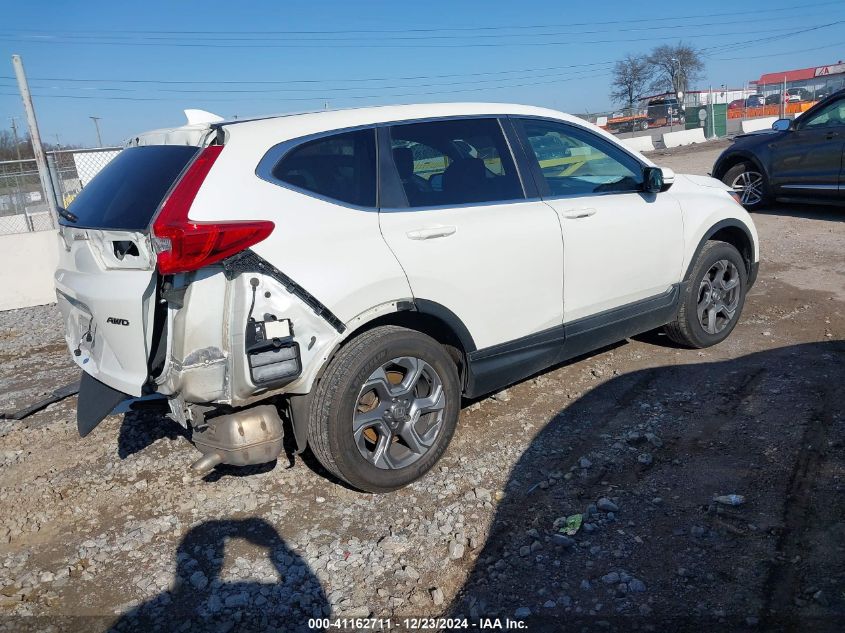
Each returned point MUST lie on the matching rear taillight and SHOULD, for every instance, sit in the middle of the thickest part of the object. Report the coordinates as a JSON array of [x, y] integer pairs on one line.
[[184, 245]]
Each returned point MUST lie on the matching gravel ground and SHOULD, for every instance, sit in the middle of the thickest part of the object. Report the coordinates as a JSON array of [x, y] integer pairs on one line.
[[112, 532]]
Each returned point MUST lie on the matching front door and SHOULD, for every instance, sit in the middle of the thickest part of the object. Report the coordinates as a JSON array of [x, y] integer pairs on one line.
[[620, 244], [808, 160]]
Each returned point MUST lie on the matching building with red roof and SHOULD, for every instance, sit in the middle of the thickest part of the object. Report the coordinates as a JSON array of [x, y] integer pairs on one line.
[[824, 79]]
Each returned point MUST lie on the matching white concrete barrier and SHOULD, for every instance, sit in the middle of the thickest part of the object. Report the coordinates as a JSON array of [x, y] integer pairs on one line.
[[753, 125], [639, 143], [27, 264], [684, 137]]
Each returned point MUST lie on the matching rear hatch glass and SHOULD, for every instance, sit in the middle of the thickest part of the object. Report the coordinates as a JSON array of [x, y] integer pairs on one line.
[[127, 191]]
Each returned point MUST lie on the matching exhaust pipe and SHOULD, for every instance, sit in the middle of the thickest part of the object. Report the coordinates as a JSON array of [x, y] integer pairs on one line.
[[244, 438]]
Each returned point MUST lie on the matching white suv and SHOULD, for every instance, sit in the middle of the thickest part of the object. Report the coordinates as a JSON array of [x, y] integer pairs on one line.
[[359, 272]]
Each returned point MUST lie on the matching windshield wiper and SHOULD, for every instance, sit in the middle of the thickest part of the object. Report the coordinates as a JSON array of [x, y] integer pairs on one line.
[[67, 215]]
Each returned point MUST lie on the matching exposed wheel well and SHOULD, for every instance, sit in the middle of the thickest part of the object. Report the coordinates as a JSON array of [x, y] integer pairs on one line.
[[739, 239], [430, 325]]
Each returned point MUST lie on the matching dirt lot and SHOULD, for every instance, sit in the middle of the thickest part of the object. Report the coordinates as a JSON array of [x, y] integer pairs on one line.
[[112, 531]]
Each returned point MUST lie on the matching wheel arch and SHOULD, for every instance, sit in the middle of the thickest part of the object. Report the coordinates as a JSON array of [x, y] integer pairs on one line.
[[731, 160], [421, 315], [735, 233], [432, 319]]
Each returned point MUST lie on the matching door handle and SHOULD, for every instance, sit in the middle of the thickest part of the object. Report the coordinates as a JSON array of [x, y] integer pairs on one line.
[[574, 214], [832, 135], [431, 232]]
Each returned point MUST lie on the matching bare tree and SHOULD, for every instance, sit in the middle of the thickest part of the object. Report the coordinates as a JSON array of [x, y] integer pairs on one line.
[[675, 67], [10, 151], [630, 77]]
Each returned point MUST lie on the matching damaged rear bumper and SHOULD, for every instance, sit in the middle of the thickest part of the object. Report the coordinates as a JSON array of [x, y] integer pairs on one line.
[[241, 331]]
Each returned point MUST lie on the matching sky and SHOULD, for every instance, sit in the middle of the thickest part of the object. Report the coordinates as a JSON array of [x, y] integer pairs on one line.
[[137, 65]]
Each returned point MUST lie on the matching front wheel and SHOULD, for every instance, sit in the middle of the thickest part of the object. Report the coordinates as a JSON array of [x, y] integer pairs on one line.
[[385, 409], [713, 298], [750, 183]]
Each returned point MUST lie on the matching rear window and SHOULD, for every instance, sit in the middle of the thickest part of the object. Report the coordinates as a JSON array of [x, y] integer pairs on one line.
[[460, 161], [341, 167], [127, 191]]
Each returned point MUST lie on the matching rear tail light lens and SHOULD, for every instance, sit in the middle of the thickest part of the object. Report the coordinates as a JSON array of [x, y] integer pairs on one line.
[[184, 245]]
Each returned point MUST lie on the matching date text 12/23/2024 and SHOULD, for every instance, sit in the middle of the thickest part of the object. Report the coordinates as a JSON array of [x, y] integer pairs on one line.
[[436, 624]]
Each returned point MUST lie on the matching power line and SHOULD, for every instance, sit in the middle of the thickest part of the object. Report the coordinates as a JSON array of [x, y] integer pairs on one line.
[[317, 98], [792, 52], [165, 36], [312, 81], [708, 52], [472, 28], [330, 89], [378, 44], [746, 44]]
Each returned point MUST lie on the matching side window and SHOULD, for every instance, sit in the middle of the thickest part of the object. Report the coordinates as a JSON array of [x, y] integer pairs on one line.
[[341, 166], [461, 161], [831, 116], [575, 162]]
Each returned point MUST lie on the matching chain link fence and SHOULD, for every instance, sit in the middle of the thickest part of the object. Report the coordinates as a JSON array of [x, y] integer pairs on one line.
[[658, 114], [24, 205]]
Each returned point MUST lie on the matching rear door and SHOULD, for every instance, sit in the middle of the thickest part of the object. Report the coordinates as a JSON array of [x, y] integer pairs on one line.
[[106, 279], [808, 160], [465, 233]]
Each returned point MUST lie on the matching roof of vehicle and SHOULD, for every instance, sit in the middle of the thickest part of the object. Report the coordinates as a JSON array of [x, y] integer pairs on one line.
[[305, 123], [264, 132], [349, 117]]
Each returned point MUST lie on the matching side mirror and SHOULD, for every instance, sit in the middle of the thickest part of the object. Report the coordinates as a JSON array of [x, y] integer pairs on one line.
[[656, 179], [436, 182], [782, 125]]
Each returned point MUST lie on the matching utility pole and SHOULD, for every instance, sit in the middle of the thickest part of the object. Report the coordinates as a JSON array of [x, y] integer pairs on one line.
[[35, 136], [96, 121], [783, 99], [17, 141]]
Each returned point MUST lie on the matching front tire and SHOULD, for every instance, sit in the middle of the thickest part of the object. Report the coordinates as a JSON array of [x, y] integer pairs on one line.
[[713, 298], [750, 183], [385, 409]]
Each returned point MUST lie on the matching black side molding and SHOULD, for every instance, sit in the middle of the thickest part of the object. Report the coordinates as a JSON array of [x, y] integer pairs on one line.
[[96, 400], [249, 262], [495, 367], [593, 332]]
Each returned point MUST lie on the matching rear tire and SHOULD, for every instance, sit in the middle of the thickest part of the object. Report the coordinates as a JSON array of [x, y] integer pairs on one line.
[[385, 409], [750, 183], [713, 297]]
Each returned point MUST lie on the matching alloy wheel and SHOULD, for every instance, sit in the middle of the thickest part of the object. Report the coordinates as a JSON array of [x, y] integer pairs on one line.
[[749, 185], [718, 296], [399, 413]]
